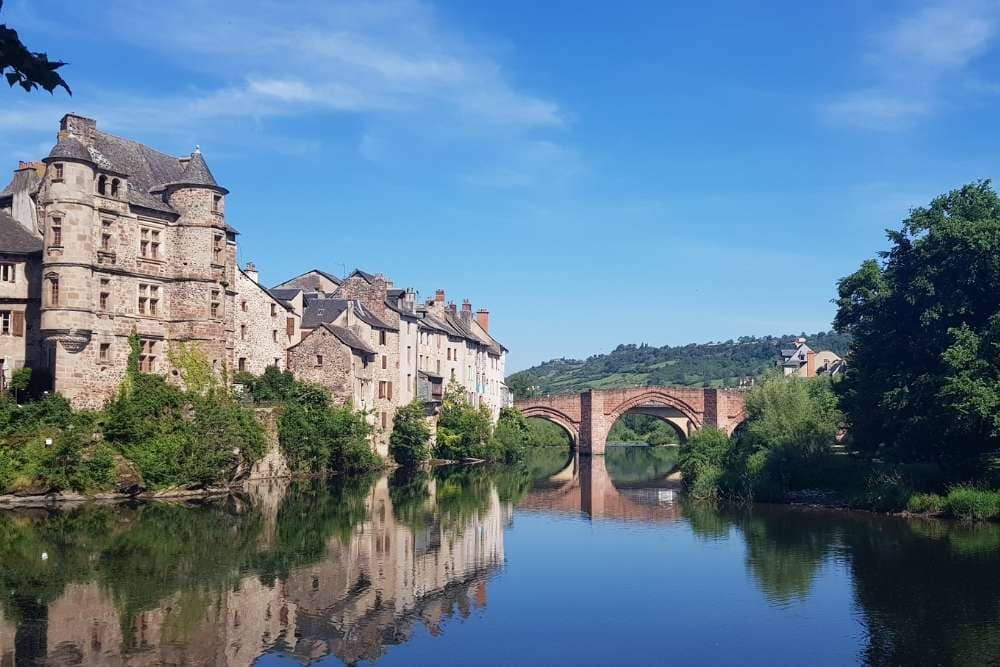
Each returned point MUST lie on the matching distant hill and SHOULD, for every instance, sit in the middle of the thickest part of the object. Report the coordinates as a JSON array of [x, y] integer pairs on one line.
[[694, 365]]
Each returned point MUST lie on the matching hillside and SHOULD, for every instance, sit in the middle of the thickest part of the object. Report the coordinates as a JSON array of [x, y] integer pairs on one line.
[[696, 365]]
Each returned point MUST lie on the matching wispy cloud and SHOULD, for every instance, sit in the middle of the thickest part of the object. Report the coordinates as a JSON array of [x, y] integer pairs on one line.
[[910, 61], [396, 65]]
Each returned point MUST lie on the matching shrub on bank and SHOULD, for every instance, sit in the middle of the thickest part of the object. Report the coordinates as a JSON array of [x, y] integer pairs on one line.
[[466, 432], [410, 440], [971, 503], [925, 503], [704, 461]]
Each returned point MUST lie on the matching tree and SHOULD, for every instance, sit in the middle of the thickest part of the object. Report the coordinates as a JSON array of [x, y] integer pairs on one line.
[[925, 322], [26, 68], [463, 430], [410, 439]]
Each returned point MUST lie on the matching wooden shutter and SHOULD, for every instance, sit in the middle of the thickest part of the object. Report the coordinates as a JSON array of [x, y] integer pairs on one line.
[[388, 386], [290, 326], [17, 323]]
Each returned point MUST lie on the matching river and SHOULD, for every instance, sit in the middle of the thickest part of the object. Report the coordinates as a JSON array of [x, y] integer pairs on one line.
[[555, 561]]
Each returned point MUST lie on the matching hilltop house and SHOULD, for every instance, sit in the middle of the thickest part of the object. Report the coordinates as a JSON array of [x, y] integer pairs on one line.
[[803, 361]]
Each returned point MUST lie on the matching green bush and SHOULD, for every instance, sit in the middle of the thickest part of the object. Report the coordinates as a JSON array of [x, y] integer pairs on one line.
[[321, 439], [463, 432], [410, 439], [885, 490], [921, 503], [972, 503], [703, 461], [543, 433], [510, 438]]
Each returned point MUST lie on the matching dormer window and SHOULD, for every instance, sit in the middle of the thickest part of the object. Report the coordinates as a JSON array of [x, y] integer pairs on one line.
[[58, 176], [102, 185]]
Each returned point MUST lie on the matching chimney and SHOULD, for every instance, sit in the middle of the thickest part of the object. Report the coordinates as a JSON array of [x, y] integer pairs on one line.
[[78, 127], [251, 272], [483, 318], [452, 309], [439, 296], [810, 364], [466, 310]]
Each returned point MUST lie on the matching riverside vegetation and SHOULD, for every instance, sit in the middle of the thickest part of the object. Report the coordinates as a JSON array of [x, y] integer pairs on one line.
[[156, 435], [921, 402]]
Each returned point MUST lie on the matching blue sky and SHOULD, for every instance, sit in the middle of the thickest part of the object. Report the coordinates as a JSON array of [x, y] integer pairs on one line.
[[593, 173]]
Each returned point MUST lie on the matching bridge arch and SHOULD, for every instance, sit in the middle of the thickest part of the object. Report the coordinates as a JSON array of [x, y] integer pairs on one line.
[[556, 417], [654, 398]]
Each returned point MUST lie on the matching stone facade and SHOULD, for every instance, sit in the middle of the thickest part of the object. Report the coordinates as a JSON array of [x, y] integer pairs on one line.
[[134, 240]]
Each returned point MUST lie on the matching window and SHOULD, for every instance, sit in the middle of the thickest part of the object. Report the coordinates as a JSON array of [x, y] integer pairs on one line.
[[149, 243], [214, 308], [217, 249], [439, 367], [4, 322], [114, 187], [56, 232], [385, 362], [7, 273], [381, 339], [105, 351], [319, 359], [54, 291], [277, 361], [274, 309], [241, 364], [243, 306], [385, 389], [105, 235], [274, 335], [290, 326], [243, 332], [216, 203], [384, 419], [11, 323], [102, 185], [105, 293], [59, 172], [149, 298], [147, 355]]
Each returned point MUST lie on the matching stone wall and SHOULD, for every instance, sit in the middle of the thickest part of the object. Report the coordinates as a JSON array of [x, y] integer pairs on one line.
[[262, 336], [335, 372]]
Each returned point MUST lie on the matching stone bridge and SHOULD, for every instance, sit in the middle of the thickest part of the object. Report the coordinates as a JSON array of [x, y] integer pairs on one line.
[[588, 417]]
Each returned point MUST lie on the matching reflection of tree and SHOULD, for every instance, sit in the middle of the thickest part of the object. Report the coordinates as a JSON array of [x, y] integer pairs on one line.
[[311, 513], [929, 590], [705, 519], [542, 462], [463, 495], [408, 490], [785, 550], [640, 464]]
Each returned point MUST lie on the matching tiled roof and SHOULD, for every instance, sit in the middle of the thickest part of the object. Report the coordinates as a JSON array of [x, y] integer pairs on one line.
[[371, 319], [286, 293], [349, 338], [321, 311], [15, 239]]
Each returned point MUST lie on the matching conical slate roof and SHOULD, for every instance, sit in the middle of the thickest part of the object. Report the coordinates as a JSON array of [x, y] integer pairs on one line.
[[196, 172], [69, 149]]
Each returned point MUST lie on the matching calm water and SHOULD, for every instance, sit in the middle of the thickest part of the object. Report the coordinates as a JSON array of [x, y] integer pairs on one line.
[[553, 562]]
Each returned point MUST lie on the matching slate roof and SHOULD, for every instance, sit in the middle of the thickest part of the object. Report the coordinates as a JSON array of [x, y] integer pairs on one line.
[[371, 319], [196, 172], [284, 293], [69, 149], [349, 338], [322, 311], [364, 274], [24, 180], [15, 239]]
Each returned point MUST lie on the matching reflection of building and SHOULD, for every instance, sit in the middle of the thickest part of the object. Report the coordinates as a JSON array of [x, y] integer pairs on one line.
[[803, 361], [366, 593]]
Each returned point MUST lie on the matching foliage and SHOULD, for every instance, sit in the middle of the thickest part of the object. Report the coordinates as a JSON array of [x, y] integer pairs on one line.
[[25, 68], [511, 436], [193, 366], [463, 431], [925, 380], [643, 428], [543, 433], [721, 364], [410, 439], [972, 503], [925, 502], [640, 464], [326, 438], [410, 495], [180, 438], [703, 461], [20, 379], [315, 436]]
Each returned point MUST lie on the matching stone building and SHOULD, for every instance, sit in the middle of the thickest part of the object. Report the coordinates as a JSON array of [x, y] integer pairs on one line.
[[20, 255], [803, 361], [132, 240], [266, 326]]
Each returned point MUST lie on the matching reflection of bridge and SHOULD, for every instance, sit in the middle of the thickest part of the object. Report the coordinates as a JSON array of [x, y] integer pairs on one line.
[[588, 417], [585, 486]]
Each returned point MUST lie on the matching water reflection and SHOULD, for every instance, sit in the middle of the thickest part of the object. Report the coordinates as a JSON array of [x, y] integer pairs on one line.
[[378, 569]]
